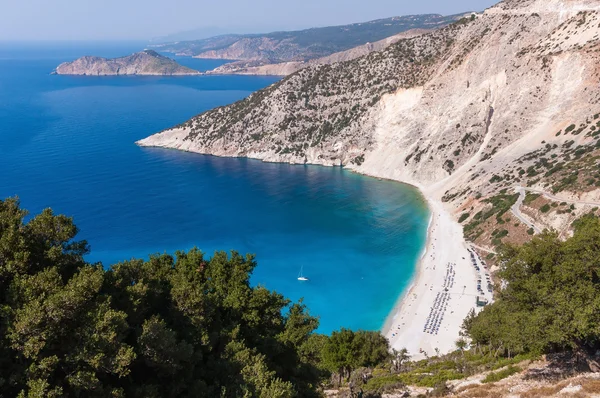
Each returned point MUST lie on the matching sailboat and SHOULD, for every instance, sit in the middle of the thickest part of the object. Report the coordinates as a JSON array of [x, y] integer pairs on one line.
[[302, 277]]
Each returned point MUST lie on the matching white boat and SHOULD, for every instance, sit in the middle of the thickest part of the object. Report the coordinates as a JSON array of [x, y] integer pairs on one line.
[[302, 277]]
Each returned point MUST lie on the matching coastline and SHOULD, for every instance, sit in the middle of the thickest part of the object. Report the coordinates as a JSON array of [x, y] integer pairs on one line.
[[404, 325], [454, 286], [414, 281]]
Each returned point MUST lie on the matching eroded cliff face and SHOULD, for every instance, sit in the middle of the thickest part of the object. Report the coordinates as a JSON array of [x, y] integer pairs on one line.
[[446, 111], [142, 63]]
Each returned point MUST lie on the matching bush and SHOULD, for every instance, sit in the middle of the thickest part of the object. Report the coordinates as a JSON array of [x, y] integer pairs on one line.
[[463, 217], [545, 208], [385, 383], [440, 390], [502, 374], [501, 234], [530, 197]]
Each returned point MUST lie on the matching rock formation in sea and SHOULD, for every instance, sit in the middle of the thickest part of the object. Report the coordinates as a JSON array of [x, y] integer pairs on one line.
[[147, 62]]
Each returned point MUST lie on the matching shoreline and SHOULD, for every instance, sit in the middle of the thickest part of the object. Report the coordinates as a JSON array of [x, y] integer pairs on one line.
[[444, 270], [387, 325], [404, 326], [428, 317]]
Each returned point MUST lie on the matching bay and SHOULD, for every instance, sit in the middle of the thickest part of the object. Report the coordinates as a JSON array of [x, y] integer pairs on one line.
[[67, 142]]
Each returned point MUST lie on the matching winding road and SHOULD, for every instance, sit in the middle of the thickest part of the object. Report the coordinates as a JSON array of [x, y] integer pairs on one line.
[[516, 208], [556, 198], [516, 211]]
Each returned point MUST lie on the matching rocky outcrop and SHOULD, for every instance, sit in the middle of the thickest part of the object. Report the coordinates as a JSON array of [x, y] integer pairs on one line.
[[146, 62], [464, 112]]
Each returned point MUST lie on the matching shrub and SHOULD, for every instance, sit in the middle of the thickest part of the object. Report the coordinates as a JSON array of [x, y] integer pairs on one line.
[[501, 374], [545, 208], [530, 197], [385, 383], [502, 234]]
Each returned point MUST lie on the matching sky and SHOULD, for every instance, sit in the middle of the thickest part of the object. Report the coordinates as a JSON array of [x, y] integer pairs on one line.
[[147, 19]]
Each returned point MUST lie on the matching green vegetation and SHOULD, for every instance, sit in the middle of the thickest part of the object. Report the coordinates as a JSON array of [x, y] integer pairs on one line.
[[359, 160], [530, 197], [566, 167], [498, 206], [497, 236], [169, 326], [552, 297], [463, 217], [566, 182], [346, 351], [545, 208], [438, 370], [327, 103], [502, 374]]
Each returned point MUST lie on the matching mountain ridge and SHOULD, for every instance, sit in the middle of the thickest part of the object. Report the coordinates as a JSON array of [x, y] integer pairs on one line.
[[287, 68], [302, 45]]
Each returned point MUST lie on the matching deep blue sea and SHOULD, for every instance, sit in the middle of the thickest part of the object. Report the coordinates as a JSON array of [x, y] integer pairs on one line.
[[68, 143]]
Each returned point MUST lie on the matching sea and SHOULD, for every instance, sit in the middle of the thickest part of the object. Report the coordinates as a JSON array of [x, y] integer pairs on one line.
[[67, 142]]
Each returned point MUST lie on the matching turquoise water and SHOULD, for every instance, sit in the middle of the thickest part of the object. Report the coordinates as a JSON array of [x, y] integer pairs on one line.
[[68, 143]]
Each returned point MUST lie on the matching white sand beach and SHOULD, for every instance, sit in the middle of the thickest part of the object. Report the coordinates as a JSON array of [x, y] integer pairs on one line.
[[444, 290]]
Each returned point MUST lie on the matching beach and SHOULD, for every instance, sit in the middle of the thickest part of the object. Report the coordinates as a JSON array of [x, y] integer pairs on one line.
[[429, 315]]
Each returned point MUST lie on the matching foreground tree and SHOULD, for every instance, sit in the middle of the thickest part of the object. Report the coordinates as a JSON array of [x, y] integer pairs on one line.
[[169, 326], [347, 350], [552, 297], [461, 344], [399, 357]]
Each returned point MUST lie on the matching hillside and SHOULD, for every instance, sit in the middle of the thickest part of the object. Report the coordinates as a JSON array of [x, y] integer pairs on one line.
[[277, 47], [146, 62], [287, 68], [467, 113]]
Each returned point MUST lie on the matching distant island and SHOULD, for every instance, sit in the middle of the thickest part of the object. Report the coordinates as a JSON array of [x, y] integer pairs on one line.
[[147, 62]]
